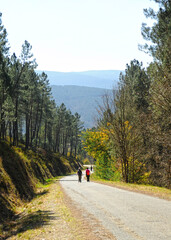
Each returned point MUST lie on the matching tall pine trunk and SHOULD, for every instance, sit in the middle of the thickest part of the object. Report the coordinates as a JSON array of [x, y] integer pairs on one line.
[[27, 131]]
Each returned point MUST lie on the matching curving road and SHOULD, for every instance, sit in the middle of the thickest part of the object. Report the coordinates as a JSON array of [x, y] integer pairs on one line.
[[127, 215]]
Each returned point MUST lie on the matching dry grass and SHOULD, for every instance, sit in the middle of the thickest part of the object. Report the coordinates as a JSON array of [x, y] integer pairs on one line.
[[52, 216], [159, 192]]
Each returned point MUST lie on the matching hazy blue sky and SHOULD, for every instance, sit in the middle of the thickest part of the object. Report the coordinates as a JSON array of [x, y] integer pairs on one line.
[[77, 35]]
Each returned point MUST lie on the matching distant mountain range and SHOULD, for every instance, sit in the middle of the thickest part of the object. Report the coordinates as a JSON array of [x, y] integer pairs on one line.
[[84, 100], [82, 91], [106, 79]]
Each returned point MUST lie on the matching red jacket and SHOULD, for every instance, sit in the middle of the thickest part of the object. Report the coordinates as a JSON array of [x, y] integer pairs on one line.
[[87, 172]]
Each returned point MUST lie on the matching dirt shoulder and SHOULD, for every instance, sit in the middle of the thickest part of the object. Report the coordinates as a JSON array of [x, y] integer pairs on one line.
[[52, 216]]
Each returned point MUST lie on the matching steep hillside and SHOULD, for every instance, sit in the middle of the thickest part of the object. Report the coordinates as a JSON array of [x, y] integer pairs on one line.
[[83, 100], [106, 79], [20, 170]]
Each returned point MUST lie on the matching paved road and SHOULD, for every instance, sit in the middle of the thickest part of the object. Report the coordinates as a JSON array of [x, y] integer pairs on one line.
[[127, 215]]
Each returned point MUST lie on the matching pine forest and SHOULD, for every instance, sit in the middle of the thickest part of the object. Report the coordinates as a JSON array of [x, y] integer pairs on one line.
[[131, 141]]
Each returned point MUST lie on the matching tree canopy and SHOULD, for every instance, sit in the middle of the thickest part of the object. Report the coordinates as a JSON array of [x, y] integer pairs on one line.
[[28, 113], [137, 116]]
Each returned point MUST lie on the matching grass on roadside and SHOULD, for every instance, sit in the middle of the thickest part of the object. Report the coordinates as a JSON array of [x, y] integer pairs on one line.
[[46, 213], [160, 192]]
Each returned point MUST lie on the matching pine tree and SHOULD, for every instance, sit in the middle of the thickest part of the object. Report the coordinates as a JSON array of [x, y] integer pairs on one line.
[[4, 77], [160, 98]]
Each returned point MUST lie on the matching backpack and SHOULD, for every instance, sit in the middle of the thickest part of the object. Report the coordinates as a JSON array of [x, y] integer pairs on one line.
[[87, 172]]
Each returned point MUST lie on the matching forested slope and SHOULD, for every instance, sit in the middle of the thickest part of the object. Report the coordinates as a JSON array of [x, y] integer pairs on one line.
[[84, 100], [36, 136], [21, 170]]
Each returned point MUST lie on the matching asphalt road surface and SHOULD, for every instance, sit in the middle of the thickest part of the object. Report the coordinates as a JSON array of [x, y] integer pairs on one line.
[[127, 215]]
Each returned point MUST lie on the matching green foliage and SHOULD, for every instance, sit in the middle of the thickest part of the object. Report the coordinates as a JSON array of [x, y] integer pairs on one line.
[[138, 115], [28, 114], [86, 161], [159, 127], [96, 145], [137, 83], [118, 143], [159, 33]]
